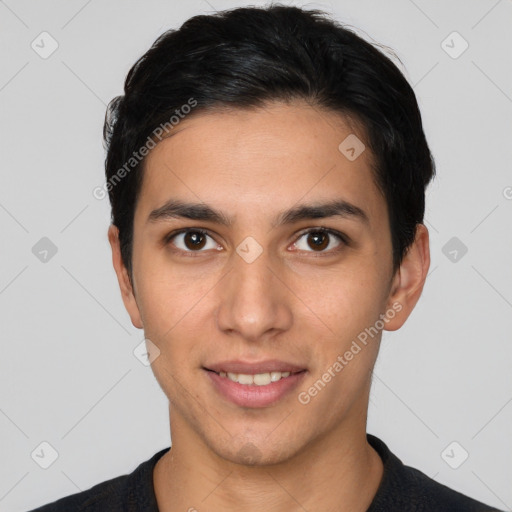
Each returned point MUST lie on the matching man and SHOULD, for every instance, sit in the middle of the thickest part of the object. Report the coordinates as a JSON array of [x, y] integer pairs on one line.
[[267, 171]]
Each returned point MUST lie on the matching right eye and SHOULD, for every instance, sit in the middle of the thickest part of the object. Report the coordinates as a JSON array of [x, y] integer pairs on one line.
[[191, 240]]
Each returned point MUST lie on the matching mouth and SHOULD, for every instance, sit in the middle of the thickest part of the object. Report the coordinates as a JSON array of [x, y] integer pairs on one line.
[[257, 379], [254, 385]]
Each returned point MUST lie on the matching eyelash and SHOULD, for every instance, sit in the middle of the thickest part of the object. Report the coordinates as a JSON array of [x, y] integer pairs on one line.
[[340, 236]]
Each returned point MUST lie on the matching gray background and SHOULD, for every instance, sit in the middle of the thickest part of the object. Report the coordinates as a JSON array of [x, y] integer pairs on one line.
[[68, 373]]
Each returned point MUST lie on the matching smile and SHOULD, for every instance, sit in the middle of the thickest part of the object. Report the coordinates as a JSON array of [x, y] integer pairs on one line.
[[259, 379], [254, 390]]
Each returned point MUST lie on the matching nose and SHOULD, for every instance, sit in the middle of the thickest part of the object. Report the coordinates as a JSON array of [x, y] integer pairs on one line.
[[254, 303]]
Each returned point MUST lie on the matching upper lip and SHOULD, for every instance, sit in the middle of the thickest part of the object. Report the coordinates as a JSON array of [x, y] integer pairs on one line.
[[268, 366]]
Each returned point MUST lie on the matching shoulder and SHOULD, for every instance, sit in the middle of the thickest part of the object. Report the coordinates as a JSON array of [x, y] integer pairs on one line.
[[130, 492], [406, 488], [105, 494]]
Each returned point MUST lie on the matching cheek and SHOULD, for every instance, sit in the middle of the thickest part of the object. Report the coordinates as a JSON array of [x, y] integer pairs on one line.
[[344, 301], [349, 303], [343, 354], [169, 293], [176, 314]]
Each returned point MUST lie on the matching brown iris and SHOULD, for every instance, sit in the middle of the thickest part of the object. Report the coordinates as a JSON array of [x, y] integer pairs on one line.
[[319, 240], [194, 240]]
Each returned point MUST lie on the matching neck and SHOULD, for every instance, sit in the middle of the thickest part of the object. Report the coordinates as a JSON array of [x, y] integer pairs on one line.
[[339, 472]]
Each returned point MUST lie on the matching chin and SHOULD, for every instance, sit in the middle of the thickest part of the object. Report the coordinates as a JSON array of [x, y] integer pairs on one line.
[[255, 453]]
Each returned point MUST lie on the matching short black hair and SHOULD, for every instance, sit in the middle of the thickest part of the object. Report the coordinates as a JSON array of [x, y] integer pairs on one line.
[[246, 57]]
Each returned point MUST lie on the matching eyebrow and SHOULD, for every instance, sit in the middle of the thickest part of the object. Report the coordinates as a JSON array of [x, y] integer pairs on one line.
[[174, 209]]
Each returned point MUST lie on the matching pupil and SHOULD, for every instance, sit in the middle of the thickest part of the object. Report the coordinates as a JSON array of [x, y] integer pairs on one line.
[[197, 240]]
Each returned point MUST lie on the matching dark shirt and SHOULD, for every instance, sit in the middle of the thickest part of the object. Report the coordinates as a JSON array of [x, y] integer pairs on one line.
[[402, 489]]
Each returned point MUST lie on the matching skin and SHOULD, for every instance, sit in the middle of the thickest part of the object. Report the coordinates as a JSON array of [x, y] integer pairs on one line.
[[295, 302]]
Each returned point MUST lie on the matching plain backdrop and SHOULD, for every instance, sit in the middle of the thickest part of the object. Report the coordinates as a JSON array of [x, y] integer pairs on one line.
[[69, 378]]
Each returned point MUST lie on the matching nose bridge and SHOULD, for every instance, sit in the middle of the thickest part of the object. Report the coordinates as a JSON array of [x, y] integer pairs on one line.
[[252, 301], [251, 271]]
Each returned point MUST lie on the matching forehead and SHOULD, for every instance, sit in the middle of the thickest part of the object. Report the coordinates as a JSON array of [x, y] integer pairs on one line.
[[259, 161]]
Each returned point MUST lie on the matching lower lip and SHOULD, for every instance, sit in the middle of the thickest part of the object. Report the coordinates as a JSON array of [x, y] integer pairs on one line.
[[250, 395]]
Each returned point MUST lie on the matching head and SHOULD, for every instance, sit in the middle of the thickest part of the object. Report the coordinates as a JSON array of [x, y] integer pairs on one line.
[[271, 121]]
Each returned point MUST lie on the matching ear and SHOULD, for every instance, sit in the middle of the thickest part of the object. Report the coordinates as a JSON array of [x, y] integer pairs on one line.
[[409, 279], [125, 285]]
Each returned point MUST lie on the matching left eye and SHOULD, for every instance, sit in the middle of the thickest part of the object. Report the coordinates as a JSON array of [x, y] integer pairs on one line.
[[319, 240]]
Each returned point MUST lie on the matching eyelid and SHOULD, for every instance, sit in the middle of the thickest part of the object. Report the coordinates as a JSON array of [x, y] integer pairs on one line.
[[323, 229], [344, 239], [168, 238]]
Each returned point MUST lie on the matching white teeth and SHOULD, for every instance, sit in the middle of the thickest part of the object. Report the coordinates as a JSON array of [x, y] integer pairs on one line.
[[245, 379], [260, 379], [277, 375]]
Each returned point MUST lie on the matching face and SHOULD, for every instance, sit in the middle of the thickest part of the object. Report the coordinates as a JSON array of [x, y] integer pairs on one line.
[[253, 280]]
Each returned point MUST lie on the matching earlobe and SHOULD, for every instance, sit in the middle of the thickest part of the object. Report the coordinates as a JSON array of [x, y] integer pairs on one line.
[[123, 278], [409, 279]]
